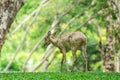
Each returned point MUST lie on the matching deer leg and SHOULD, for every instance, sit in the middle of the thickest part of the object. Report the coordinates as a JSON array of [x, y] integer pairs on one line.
[[74, 59], [85, 54], [63, 61], [85, 57]]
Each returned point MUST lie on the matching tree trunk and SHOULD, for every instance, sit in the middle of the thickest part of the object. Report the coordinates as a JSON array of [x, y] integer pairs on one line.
[[109, 55], [111, 62], [8, 10]]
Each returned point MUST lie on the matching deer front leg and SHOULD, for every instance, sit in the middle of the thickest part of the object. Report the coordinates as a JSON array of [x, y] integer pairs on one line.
[[85, 57], [63, 61]]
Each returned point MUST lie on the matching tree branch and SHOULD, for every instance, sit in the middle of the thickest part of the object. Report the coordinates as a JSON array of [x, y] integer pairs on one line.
[[53, 26], [49, 50], [23, 39], [47, 63], [24, 21]]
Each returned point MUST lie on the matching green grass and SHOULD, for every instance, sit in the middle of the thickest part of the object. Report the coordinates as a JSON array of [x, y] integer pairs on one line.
[[60, 76]]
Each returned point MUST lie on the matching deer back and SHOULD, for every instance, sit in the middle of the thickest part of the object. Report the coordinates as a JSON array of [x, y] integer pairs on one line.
[[73, 39]]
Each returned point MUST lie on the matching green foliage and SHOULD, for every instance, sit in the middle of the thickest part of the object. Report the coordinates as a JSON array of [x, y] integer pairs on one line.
[[42, 25]]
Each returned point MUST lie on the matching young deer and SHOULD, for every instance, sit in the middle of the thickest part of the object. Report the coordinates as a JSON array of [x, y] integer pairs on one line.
[[70, 41]]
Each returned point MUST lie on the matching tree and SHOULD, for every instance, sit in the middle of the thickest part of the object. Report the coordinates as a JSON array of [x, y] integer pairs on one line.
[[8, 10], [67, 16], [112, 30]]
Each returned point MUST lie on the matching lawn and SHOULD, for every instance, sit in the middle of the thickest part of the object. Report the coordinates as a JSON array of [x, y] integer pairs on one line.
[[60, 76]]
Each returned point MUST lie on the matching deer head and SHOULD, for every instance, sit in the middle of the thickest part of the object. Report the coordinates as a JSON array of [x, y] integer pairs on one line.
[[50, 38]]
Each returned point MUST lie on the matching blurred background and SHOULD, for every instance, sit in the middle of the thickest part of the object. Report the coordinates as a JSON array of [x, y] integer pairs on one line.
[[24, 48]]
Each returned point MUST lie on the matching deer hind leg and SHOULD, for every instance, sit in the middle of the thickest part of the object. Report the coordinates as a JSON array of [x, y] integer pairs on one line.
[[74, 59], [85, 57]]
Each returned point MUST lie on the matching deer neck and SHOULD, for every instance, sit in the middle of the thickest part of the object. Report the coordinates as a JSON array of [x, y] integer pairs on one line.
[[53, 40]]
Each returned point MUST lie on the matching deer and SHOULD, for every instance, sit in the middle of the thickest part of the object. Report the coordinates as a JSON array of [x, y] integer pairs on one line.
[[70, 41]]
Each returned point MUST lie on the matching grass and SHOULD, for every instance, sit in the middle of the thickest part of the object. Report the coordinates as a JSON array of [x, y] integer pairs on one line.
[[60, 76]]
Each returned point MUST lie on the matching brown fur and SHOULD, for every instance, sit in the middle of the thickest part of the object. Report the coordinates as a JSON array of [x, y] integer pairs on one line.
[[70, 41]]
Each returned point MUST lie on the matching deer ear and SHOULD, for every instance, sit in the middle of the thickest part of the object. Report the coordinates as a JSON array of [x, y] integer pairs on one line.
[[49, 33]]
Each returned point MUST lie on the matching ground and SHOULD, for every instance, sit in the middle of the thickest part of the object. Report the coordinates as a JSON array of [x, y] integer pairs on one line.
[[59, 76]]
